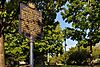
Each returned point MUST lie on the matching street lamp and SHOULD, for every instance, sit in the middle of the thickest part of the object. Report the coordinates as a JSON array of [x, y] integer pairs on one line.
[[30, 24]]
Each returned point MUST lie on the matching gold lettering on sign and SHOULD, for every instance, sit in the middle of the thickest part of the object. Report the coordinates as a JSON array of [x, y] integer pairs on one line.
[[31, 20]]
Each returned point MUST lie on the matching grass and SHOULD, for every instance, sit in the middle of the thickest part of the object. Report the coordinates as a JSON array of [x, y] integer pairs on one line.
[[64, 66], [57, 66]]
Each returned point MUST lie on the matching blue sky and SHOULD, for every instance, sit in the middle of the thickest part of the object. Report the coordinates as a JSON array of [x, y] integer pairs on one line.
[[70, 43]]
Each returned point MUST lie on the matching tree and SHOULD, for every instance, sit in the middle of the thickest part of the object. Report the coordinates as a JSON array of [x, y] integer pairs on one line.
[[2, 61], [51, 42], [16, 46], [78, 57], [96, 51], [13, 39], [84, 17]]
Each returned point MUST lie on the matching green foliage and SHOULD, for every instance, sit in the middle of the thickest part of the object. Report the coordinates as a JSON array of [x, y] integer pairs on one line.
[[77, 55], [56, 60], [96, 51], [51, 42], [80, 55], [52, 38], [16, 46], [84, 17]]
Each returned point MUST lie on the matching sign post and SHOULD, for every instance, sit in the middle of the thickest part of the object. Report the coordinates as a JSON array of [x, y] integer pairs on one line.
[[30, 24], [31, 52]]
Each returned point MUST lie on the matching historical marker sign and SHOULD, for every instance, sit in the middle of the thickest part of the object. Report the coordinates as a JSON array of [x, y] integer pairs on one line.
[[30, 24], [30, 20]]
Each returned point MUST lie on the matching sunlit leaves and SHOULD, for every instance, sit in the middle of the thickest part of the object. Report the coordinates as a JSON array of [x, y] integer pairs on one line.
[[16, 45], [83, 15], [52, 41]]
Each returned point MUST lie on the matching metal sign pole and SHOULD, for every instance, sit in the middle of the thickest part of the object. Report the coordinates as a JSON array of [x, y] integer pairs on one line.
[[30, 24], [31, 52]]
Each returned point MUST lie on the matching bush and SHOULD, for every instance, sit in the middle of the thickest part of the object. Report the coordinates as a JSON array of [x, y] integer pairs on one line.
[[56, 60], [78, 57]]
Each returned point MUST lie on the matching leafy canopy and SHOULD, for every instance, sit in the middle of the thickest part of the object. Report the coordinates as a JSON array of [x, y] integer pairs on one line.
[[84, 17], [16, 45]]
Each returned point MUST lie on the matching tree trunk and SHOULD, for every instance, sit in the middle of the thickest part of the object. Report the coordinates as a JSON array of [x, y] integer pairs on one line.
[[2, 60]]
